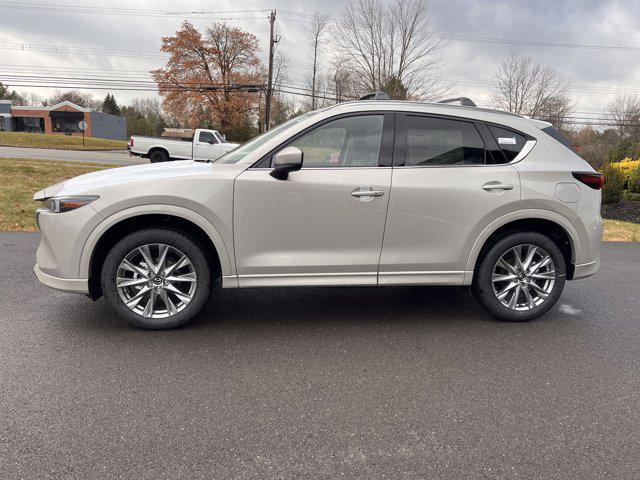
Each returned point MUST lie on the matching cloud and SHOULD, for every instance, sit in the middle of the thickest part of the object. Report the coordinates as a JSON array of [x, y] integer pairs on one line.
[[470, 63]]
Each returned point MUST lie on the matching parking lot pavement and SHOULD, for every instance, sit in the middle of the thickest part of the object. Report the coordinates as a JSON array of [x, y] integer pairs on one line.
[[112, 157], [321, 383]]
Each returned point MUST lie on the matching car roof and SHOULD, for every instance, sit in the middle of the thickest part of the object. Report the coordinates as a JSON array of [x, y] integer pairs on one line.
[[464, 112]]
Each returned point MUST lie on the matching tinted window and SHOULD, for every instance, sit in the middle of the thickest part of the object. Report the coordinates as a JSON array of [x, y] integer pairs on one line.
[[439, 141], [346, 142], [510, 142], [207, 137]]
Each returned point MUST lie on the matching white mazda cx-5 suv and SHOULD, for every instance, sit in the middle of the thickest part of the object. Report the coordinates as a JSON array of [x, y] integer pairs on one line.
[[362, 193]]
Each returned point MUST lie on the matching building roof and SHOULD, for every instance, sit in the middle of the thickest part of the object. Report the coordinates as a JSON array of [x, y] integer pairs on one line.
[[52, 107]]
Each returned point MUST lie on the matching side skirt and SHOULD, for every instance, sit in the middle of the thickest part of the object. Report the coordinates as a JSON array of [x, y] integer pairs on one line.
[[348, 279]]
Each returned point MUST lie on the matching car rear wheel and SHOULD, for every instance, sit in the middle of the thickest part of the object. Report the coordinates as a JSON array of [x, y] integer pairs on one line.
[[158, 156], [156, 278], [521, 277]]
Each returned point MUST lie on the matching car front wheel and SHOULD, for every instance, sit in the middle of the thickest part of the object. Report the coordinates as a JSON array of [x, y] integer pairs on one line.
[[520, 277], [156, 278]]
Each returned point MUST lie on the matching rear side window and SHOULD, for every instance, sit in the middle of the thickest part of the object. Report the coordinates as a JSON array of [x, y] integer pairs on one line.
[[552, 132], [510, 142], [439, 141]]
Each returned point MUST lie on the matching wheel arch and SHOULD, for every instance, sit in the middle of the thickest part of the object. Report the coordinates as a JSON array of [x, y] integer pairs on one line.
[[185, 221], [548, 223], [156, 148]]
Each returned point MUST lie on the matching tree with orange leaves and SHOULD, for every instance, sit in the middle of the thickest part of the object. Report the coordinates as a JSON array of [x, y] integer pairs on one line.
[[198, 84]]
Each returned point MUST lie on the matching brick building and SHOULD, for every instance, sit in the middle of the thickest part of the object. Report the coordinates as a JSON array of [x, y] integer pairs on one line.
[[62, 118]]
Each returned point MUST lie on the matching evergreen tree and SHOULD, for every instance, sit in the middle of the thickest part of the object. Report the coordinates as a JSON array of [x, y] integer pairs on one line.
[[110, 105]]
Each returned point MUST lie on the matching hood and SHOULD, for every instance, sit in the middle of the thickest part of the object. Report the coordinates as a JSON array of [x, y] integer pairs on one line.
[[116, 176]]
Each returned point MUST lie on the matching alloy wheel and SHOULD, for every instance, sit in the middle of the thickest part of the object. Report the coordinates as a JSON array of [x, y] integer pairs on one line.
[[156, 280], [523, 277]]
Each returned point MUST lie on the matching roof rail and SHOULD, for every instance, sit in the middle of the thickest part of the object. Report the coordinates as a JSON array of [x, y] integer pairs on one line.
[[464, 101], [375, 96]]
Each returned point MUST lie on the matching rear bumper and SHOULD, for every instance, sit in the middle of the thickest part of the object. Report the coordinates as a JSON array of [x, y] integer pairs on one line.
[[73, 285], [586, 269]]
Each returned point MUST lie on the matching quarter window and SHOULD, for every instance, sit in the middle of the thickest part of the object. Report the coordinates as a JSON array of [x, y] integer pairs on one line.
[[439, 141], [510, 142], [345, 142]]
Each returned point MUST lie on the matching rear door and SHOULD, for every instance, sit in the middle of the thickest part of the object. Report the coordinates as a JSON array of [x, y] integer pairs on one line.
[[324, 224], [450, 180]]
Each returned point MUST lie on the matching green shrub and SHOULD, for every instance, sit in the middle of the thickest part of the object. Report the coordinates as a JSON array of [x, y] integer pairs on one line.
[[635, 197], [634, 180], [613, 184]]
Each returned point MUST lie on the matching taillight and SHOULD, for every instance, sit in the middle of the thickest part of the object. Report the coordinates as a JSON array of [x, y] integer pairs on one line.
[[594, 180], [131, 142]]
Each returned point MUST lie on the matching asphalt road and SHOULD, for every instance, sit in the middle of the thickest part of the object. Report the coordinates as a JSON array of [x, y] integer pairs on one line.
[[113, 157], [359, 383]]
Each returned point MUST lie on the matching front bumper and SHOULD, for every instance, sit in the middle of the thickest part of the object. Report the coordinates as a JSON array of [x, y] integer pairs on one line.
[[73, 285]]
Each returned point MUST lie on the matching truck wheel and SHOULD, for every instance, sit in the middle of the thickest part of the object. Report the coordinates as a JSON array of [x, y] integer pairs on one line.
[[156, 278], [159, 156]]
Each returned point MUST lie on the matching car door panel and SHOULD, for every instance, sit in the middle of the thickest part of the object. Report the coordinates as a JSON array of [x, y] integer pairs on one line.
[[323, 225], [435, 215], [437, 211], [310, 223]]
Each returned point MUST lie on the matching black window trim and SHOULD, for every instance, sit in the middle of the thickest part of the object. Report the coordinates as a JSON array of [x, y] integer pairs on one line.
[[482, 127], [385, 157], [400, 150]]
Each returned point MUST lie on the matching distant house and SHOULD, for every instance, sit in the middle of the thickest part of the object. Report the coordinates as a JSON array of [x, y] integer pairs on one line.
[[62, 118]]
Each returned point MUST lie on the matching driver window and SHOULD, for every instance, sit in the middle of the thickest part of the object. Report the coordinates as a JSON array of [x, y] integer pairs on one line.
[[207, 137], [346, 142]]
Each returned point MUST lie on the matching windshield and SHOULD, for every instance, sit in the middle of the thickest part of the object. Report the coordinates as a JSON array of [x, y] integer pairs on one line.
[[237, 154]]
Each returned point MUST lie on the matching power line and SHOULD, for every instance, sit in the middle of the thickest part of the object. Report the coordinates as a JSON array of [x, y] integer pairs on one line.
[[96, 10]]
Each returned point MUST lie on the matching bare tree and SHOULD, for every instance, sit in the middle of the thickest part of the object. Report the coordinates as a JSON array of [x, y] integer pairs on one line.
[[624, 113], [83, 99], [318, 26], [380, 41], [526, 87]]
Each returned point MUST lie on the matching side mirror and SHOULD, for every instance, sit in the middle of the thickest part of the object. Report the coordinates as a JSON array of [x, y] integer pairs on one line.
[[286, 160]]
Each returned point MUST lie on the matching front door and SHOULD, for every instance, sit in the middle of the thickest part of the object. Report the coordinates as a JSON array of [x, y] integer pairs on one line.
[[206, 146], [450, 181], [324, 224]]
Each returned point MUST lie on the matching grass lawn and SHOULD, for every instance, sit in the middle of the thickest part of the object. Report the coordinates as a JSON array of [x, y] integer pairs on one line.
[[617, 231], [58, 142], [22, 178]]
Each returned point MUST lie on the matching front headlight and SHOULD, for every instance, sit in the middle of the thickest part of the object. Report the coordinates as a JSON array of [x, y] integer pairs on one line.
[[67, 203]]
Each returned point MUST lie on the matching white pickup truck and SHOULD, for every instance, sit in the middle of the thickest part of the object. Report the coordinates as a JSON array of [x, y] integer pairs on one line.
[[205, 145]]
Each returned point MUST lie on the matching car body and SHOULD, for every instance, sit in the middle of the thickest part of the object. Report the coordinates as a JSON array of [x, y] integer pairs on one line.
[[361, 193], [205, 145]]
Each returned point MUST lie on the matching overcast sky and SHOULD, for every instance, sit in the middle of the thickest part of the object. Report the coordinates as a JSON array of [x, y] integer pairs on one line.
[[596, 74]]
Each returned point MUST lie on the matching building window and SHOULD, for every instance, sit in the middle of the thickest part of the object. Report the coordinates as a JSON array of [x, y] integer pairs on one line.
[[28, 124], [65, 122], [2, 127]]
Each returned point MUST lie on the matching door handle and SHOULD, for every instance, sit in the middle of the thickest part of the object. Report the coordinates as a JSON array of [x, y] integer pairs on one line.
[[367, 192], [497, 186]]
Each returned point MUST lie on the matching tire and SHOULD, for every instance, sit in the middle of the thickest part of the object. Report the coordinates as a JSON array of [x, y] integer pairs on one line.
[[177, 290], [494, 292], [158, 156]]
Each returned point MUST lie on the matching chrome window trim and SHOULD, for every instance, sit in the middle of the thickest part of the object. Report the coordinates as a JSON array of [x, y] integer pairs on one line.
[[526, 149]]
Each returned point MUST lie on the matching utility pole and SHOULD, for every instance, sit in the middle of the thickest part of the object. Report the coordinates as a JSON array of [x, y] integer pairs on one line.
[[272, 42]]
